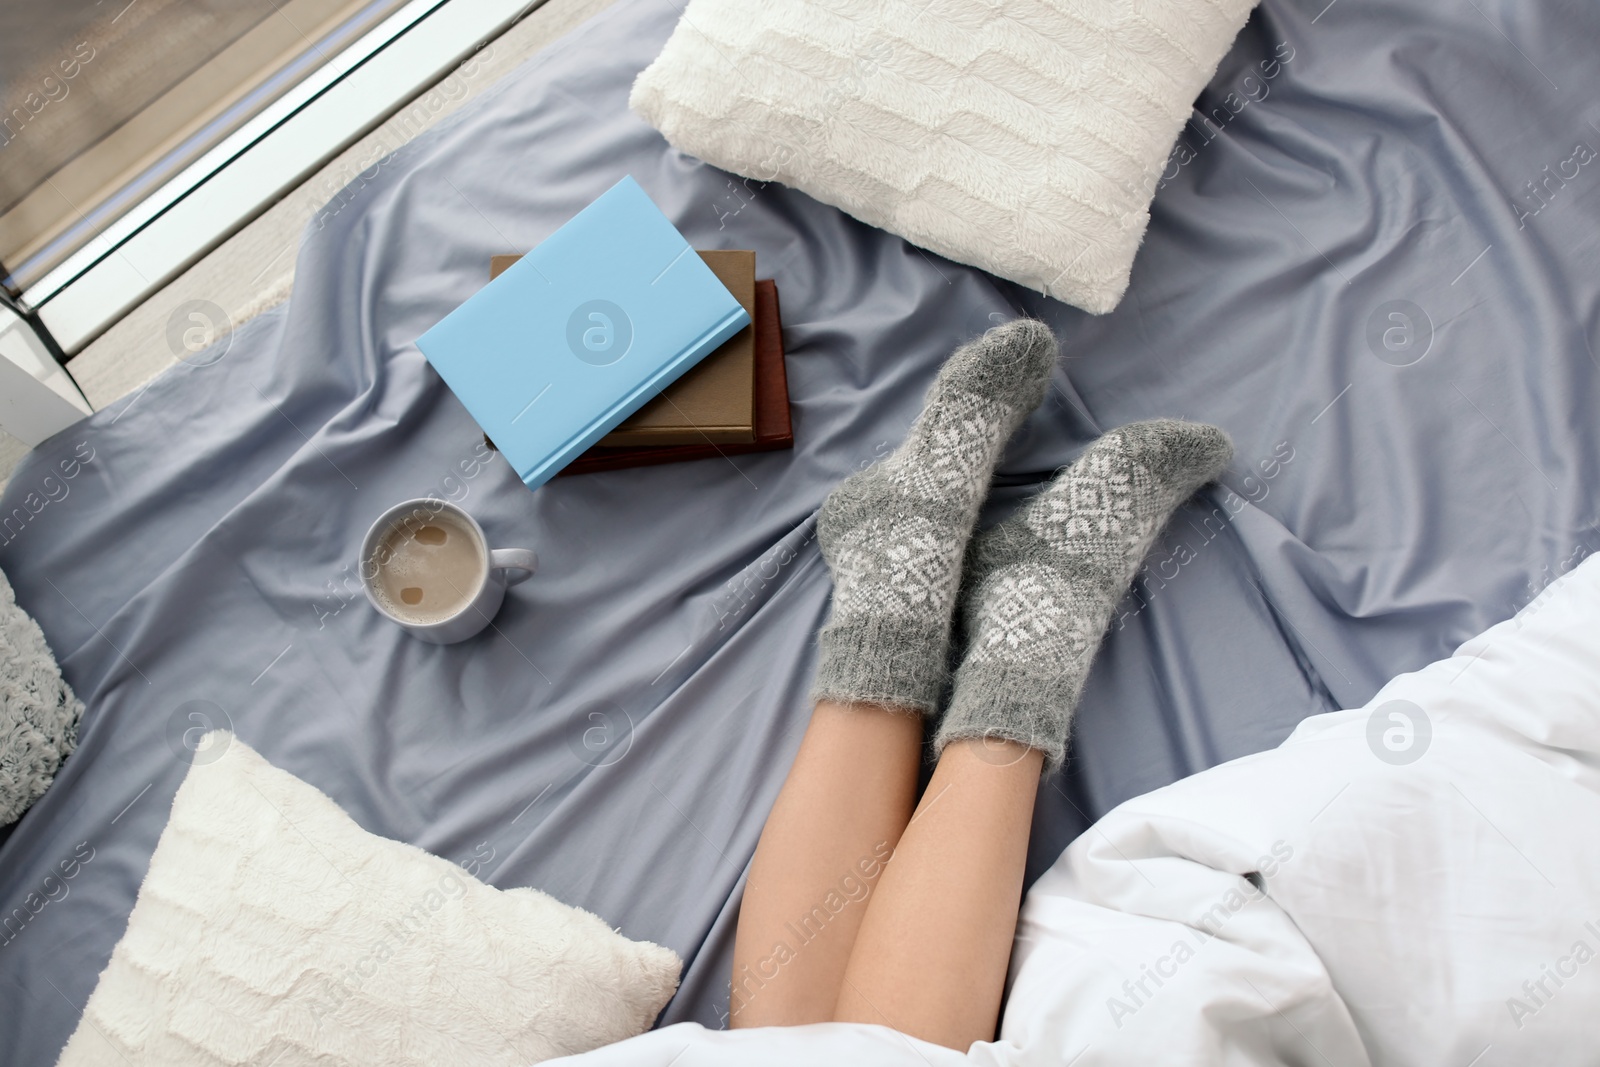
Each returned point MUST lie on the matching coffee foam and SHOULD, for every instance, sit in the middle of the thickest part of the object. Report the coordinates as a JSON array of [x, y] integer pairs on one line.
[[428, 567]]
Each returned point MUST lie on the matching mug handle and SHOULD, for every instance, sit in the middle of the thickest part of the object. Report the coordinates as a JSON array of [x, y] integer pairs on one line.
[[514, 560]]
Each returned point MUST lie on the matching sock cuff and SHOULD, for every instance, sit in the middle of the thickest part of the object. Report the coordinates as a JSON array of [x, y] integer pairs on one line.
[[875, 661], [1010, 706]]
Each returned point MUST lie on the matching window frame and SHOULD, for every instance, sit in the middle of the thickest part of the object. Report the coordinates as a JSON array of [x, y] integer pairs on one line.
[[233, 183]]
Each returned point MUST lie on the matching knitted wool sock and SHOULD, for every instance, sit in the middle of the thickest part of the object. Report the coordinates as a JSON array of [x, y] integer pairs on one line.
[[1041, 587], [895, 533]]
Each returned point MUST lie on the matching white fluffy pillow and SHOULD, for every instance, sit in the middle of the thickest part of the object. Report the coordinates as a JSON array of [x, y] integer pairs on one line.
[[38, 713], [1024, 137], [273, 929]]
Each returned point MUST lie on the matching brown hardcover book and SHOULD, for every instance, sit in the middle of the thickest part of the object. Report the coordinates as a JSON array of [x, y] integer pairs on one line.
[[715, 399], [774, 429]]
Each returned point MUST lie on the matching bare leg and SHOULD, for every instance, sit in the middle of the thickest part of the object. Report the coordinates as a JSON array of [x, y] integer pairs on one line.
[[837, 820], [893, 536], [930, 959]]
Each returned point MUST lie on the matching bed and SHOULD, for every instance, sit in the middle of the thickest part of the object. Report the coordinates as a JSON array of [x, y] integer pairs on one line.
[[1376, 270]]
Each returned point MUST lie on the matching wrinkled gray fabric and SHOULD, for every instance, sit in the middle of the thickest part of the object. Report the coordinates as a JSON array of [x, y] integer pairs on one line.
[[618, 737]]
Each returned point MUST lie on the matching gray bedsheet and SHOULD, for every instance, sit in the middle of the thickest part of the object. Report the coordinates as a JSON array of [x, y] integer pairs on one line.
[[617, 738]]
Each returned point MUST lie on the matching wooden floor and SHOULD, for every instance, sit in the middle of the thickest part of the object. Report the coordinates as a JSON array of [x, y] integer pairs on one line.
[[254, 269]]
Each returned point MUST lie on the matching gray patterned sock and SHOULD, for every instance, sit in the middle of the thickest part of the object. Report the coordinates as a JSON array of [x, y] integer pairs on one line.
[[895, 533], [1041, 587]]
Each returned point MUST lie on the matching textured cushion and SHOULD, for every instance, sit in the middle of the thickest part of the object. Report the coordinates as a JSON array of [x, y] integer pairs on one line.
[[1024, 137], [38, 713], [273, 929]]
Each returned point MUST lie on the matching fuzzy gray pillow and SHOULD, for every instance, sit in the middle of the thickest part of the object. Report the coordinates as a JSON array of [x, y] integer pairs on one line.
[[38, 713]]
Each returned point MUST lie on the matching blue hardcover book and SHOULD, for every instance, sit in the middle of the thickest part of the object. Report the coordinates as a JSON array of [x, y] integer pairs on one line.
[[579, 333]]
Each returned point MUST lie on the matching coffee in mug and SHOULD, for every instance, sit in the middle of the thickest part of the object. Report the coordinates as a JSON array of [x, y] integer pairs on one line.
[[428, 568], [426, 565]]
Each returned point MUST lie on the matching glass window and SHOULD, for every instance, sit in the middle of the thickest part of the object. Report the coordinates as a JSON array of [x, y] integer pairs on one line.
[[102, 102]]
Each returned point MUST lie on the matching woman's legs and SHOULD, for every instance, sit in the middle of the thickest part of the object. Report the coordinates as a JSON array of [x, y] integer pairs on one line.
[[1039, 591], [928, 954], [930, 959], [838, 818], [893, 536], [947, 906]]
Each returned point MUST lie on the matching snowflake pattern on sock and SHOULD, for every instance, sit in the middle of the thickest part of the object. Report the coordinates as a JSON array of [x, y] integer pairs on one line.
[[1029, 611], [892, 567], [1043, 585], [1024, 606], [894, 534], [1094, 508], [957, 450]]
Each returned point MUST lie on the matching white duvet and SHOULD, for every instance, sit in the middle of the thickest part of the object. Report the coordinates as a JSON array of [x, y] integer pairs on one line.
[[1412, 882]]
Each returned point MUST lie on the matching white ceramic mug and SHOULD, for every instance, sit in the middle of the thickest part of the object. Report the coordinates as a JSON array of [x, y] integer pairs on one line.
[[502, 567]]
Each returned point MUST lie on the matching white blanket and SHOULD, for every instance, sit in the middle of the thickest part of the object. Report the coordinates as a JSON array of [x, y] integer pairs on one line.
[[1413, 882]]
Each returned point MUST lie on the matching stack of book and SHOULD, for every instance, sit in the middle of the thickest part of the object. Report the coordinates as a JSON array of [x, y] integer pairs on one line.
[[613, 344], [734, 402]]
